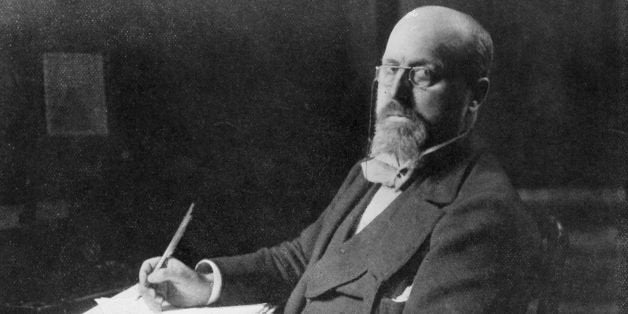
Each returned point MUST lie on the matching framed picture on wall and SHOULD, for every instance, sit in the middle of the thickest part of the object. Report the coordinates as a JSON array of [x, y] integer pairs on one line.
[[74, 94]]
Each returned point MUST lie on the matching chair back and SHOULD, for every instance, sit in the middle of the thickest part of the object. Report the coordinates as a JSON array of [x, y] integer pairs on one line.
[[555, 243]]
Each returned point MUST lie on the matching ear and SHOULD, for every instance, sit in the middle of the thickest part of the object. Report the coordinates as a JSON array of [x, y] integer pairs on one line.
[[479, 92]]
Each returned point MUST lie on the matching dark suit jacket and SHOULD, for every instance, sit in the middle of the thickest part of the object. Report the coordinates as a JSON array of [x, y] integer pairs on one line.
[[458, 234]]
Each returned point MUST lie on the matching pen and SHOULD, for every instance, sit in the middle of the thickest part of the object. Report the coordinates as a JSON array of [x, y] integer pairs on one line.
[[175, 240]]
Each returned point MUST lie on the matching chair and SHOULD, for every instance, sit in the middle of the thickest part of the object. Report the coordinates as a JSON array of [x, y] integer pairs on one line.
[[555, 243]]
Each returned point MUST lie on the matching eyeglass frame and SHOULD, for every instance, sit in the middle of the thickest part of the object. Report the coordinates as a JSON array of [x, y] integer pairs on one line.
[[408, 74]]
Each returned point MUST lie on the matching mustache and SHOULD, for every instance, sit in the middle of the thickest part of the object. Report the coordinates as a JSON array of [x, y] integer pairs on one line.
[[394, 109]]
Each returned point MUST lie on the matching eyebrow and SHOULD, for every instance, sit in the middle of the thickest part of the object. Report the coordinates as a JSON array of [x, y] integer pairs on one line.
[[420, 62]]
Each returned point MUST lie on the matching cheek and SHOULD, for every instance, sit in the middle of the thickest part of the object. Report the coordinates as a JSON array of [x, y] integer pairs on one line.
[[383, 97], [431, 106], [440, 107]]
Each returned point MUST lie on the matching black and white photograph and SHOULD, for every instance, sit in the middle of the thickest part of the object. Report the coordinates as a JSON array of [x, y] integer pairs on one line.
[[300, 156]]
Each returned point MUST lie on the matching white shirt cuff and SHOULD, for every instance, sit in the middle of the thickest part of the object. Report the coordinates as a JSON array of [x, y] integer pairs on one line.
[[215, 276]]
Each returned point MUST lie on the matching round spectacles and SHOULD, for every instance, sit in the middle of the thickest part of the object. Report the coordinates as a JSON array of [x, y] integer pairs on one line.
[[419, 76]]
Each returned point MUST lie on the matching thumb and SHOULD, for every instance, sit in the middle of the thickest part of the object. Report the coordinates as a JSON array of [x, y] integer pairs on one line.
[[159, 276]]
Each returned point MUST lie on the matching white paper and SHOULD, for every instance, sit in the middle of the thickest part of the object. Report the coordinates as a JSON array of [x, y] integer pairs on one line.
[[127, 302]]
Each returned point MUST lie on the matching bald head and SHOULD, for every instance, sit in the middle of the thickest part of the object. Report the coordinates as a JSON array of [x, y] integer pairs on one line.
[[463, 46]]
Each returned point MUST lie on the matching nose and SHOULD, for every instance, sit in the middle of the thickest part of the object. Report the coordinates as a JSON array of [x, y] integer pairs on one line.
[[401, 88]]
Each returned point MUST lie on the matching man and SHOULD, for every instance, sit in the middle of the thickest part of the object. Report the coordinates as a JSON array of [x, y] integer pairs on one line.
[[425, 224]]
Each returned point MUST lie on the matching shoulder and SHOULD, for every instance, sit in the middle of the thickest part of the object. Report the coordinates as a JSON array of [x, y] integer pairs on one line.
[[487, 177], [488, 203], [486, 183], [353, 177]]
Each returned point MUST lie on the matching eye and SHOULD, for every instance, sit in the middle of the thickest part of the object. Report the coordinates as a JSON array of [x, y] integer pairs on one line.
[[388, 70], [421, 76], [386, 74]]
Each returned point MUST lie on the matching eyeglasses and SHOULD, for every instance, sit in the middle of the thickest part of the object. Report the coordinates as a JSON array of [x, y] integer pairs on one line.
[[421, 77]]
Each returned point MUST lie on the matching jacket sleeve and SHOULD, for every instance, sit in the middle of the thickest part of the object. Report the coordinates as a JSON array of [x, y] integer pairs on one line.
[[480, 260], [270, 274]]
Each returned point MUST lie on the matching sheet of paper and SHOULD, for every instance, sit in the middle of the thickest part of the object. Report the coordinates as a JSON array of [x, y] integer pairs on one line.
[[126, 302]]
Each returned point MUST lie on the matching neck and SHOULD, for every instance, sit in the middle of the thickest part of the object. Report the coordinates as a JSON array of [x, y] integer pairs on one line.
[[440, 153], [442, 145]]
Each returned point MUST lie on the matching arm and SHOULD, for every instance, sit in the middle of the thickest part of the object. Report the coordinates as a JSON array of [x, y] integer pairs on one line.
[[480, 260], [270, 274], [267, 275], [264, 276]]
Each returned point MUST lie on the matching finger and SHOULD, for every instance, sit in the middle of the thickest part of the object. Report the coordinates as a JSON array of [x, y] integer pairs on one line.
[[147, 268], [161, 290], [159, 300], [153, 301], [142, 278], [149, 290], [148, 295], [142, 289], [175, 272]]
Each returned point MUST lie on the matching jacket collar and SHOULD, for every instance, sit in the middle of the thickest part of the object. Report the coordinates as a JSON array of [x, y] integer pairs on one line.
[[441, 173]]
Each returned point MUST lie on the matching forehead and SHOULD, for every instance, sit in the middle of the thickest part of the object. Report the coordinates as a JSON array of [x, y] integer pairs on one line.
[[417, 41]]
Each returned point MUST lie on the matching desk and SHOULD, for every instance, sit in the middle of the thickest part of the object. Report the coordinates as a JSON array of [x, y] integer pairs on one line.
[[70, 306]]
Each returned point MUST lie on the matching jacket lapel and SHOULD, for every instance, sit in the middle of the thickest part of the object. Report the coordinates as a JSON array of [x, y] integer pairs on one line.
[[338, 264], [394, 239], [338, 211], [412, 217]]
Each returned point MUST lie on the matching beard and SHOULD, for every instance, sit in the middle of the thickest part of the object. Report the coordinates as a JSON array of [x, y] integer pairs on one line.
[[399, 132]]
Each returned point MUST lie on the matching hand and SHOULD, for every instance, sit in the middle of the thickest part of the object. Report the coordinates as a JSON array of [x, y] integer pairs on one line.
[[176, 283]]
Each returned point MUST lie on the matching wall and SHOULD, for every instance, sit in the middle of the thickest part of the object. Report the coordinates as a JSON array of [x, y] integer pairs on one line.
[[554, 108], [251, 109]]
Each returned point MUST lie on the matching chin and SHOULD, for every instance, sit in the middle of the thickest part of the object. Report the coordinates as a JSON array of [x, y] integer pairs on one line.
[[399, 136]]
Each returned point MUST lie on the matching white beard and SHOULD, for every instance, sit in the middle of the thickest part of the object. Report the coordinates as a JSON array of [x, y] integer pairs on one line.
[[401, 134]]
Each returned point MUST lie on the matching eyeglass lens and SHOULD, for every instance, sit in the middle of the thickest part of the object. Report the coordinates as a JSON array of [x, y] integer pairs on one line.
[[419, 76]]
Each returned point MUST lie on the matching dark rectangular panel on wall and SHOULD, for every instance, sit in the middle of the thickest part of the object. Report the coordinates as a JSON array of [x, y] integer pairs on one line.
[[75, 94]]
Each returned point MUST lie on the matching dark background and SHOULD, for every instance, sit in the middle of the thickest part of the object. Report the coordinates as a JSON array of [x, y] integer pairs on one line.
[[257, 109]]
